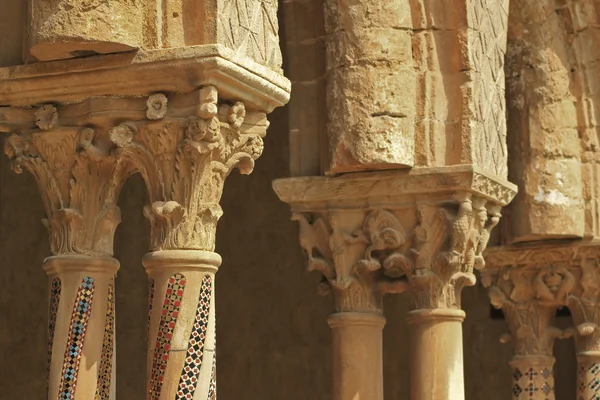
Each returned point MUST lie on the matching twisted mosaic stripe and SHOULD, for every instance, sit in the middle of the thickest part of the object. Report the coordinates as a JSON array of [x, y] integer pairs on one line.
[[191, 369], [77, 330]]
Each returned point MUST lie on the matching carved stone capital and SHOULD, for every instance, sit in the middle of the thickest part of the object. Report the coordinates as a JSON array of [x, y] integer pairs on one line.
[[571, 278], [350, 249], [584, 304], [78, 174], [374, 233], [529, 296], [185, 146]]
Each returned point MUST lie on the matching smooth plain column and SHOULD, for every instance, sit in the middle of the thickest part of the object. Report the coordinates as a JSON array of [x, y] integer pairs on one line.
[[436, 354], [357, 355]]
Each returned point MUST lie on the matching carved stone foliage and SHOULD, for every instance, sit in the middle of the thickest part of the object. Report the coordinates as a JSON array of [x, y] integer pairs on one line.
[[184, 153], [79, 178], [435, 259], [585, 306], [351, 261], [529, 296]]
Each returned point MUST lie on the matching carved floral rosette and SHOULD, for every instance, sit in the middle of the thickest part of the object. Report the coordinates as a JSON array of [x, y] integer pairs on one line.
[[184, 146], [366, 244]]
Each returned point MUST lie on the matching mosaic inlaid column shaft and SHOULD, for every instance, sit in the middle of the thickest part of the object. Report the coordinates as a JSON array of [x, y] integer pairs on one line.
[[533, 378], [181, 346], [588, 376], [357, 355], [81, 327]]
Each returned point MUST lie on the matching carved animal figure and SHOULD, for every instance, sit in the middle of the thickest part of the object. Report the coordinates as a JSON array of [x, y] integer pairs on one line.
[[314, 238]]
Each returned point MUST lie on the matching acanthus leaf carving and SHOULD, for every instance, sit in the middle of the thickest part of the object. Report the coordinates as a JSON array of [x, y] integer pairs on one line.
[[185, 160], [79, 180]]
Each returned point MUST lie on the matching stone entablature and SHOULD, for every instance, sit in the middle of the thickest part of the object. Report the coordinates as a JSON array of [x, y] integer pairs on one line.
[[143, 73]]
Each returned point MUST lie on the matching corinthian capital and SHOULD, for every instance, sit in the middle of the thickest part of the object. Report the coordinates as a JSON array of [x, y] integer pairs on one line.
[[376, 232], [185, 146], [77, 172]]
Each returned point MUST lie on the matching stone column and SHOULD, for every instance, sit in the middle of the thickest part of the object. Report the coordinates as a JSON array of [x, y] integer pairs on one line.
[[184, 146], [344, 245], [529, 294], [373, 233], [437, 278], [583, 304], [79, 182]]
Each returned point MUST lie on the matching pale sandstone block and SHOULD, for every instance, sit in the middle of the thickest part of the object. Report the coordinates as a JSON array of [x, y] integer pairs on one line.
[[61, 29]]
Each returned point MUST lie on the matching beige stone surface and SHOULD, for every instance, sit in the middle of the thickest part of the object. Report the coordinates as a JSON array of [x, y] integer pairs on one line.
[[402, 83], [552, 107], [60, 29]]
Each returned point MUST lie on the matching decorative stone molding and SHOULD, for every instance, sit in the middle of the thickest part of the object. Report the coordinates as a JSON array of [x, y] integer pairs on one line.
[[144, 73], [430, 236], [359, 282]]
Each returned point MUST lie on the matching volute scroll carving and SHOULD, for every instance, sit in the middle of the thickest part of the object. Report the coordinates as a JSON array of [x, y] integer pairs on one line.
[[79, 177], [185, 153]]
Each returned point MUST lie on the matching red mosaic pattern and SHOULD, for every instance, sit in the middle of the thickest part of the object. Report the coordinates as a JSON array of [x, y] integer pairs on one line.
[[82, 311], [193, 362], [168, 318], [532, 383], [55, 289], [105, 368]]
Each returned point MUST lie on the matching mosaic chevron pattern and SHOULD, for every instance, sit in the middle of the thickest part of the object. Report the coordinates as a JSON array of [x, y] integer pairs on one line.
[[191, 369], [77, 330], [150, 300], [212, 390], [105, 368], [55, 289], [169, 313]]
